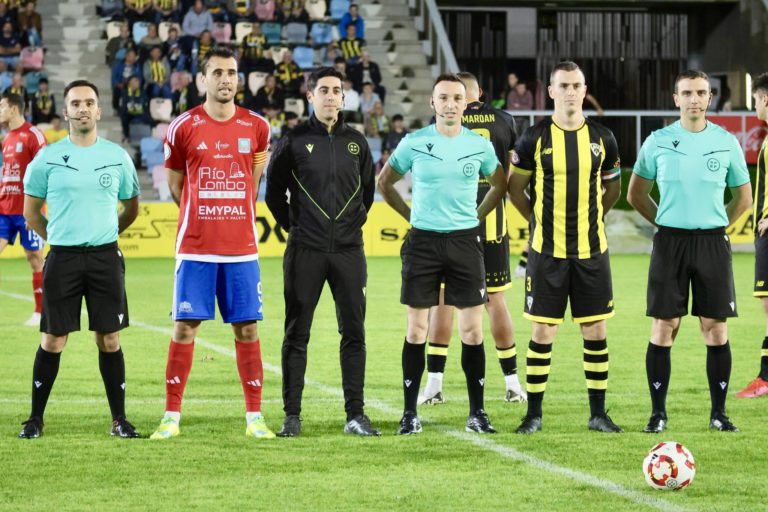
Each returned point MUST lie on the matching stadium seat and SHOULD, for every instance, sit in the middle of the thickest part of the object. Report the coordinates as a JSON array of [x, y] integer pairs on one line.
[[374, 143], [222, 32], [161, 109], [138, 131], [154, 159], [109, 8], [295, 33], [322, 33], [242, 29], [256, 81], [31, 58], [295, 105], [304, 56], [149, 145], [265, 10], [160, 130], [176, 77], [113, 29], [164, 27], [273, 32], [339, 8], [316, 9], [140, 29], [32, 80], [277, 53], [160, 182]]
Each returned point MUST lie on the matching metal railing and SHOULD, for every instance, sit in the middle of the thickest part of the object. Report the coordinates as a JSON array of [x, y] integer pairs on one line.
[[437, 46]]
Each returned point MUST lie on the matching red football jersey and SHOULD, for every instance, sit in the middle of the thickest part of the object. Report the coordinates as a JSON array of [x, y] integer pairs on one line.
[[19, 148], [217, 211]]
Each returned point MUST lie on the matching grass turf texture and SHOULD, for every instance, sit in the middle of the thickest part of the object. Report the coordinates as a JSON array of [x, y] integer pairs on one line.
[[76, 465]]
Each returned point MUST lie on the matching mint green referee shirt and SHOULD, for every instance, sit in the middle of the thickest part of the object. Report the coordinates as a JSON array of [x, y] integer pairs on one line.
[[82, 186], [446, 172], [692, 171]]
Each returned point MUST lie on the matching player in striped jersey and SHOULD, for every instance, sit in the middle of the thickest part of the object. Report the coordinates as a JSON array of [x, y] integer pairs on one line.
[[572, 165], [498, 127], [759, 386], [19, 148], [216, 154]]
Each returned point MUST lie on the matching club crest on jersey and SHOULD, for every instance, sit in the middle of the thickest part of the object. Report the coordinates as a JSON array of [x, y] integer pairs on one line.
[[595, 147], [243, 145], [353, 148], [713, 164], [469, 169], [105, 180], [19, 147]]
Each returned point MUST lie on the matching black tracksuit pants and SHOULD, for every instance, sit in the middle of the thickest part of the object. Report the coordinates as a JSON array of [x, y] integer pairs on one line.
[[305, 272]]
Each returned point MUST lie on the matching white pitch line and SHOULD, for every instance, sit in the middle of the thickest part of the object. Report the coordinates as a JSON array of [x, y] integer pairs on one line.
[[481, 442]]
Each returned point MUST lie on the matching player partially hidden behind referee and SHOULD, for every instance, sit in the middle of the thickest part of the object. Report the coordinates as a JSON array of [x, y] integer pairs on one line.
[[759, 386], [82, 178], [692, 161], [446, 161], [572, 165]]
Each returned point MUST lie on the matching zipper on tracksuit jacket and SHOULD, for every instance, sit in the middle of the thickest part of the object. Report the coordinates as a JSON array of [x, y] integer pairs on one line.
[[332, 213]]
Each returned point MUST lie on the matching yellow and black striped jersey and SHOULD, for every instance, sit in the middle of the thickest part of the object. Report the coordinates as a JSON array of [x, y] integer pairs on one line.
[[351, 48], [498, 127], [567, 169], [761, 207]]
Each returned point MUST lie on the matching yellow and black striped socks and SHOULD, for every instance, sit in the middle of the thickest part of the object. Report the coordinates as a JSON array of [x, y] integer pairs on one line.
[[764, 360], [437, 354], [538, 361], [507, 359], [596, 373], [523, 263]]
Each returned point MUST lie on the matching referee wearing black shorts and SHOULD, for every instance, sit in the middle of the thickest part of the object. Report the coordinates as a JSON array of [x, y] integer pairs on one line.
[[692, 161], [82, 178], [572, 166]]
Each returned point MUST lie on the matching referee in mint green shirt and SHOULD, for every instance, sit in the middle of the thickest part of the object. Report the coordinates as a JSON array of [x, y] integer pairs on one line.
[[82, 178], [444, 245], [692, 161]]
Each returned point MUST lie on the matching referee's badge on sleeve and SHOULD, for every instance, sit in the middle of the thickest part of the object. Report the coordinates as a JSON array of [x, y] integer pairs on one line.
[[243, 145], [515, 157]]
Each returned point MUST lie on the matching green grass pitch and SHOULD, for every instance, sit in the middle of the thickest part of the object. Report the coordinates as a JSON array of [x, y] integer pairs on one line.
[[213, 466]]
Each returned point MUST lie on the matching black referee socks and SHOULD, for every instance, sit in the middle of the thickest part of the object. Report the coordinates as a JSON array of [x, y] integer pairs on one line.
[[658, 368], [44, 372], [112, 367], [718, 375], [413, 369], [473, 364], [764, 360]]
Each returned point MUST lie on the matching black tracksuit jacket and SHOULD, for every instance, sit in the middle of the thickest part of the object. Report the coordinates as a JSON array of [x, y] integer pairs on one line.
[[331, 181]]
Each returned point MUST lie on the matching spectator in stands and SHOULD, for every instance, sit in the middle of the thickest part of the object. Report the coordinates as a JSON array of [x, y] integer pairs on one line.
[[385, 152], [368, 98], [31, 25], [329, 54], [367, 71], [282, 12], [186, 96], [377, 122], [351, 46], [291, 122], [351, 101], [252, 49], [509, 90], [218, 9], [17, 87], [5, 76], [43, 103], [240, 94], [298, 15], [138, 10], [166, 10], [397, 132], [134, 107], [200, 49], [241, 10], [149, 41], [276, 120], [173, 51], [353, 18], [289, 75], [591, 100], [197, 20], [340, 65], [117, 46], [121, 72], [157, 74], [520, 98], [10, 47], [269, 94], [56, 132], [6, 15]]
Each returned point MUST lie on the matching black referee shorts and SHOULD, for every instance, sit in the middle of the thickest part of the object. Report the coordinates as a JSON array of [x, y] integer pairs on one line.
[[698, 259], [96, 273], [761, 266], [430, 258], [496, 255]]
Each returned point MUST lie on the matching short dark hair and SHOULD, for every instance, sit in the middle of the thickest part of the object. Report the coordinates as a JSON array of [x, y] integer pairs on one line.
[[760, 83], [448, 77], [80, 83], [397, 117], [323, 72], [690, 74], [14, 100], [217, 51], [566, 65]]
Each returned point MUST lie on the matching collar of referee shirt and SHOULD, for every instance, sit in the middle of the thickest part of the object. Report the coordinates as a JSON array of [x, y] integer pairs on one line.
[[317, 125]]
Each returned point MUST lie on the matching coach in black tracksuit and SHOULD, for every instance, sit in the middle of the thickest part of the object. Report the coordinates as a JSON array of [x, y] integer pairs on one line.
[[327, 168]]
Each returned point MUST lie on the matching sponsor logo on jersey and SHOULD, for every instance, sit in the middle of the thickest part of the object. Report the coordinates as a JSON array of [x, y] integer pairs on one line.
[[243, 145], [19, 147], [202, 146], [185, 307], [219, 156], [309, 147], [215, 183], [546, 151], [244, 123], [221, 146]]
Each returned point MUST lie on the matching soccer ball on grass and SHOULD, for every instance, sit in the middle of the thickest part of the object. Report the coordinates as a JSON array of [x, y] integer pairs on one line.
[[669, 466]]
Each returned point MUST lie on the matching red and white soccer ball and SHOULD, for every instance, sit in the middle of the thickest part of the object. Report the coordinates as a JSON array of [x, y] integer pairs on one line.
[[669, 466]]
